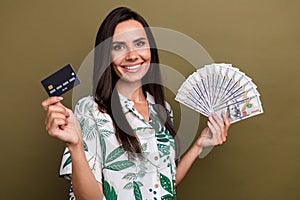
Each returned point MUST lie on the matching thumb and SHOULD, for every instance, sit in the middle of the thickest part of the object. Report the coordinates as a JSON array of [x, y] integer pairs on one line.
[[203, 136]]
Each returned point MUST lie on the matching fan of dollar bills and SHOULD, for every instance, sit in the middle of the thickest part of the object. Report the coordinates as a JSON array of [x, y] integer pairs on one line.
[[221, 87]]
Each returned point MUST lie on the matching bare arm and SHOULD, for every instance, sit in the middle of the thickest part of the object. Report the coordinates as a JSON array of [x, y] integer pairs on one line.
[[214, 134], [62, 124]]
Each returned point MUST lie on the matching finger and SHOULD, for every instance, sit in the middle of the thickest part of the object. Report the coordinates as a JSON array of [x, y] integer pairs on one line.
[[224, 125], [215, 121], [73, 120], [205, 138], [226, 121], [214, 132], [54, 111], [49, 101], [58, 109], [220, 123], [54, 125], [55, 115], [214, 124], [211, 123], [218, 120]]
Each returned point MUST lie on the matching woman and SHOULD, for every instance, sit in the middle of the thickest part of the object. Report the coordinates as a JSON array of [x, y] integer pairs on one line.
[[121, 141]]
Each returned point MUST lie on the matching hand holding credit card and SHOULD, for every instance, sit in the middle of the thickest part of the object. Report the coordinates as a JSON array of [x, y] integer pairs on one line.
[[61, 81]]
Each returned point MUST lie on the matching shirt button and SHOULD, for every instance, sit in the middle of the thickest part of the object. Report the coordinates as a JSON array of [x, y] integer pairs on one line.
[[155, 157], [156, 185]]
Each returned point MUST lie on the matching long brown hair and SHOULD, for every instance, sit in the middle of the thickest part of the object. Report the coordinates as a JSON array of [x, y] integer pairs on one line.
[[105, 79]]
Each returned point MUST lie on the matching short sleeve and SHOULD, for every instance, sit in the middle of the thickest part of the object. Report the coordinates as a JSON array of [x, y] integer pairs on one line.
[[90, 119]]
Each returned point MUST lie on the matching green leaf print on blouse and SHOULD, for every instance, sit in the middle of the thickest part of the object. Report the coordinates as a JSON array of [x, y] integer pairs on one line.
[[109, 191], [164, 139], [155, 122], [104, 134], [84, 106], [140, 174], [135, 185], [167, 197], [164, 149], [120, 165], [129, 185], [130, 176], [170, 114], [137, 191], [167, 185], [69, 159], [142, 128], [67, 162], [116, 153], [89, 130], [164, 143]]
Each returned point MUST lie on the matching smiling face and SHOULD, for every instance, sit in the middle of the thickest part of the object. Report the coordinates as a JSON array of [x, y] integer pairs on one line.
[[130, 51]]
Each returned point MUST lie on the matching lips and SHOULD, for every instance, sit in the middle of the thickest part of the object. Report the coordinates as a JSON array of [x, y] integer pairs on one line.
[[132, 68]]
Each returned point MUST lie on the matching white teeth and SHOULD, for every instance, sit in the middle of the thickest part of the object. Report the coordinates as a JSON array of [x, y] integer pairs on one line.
[[133, 67]]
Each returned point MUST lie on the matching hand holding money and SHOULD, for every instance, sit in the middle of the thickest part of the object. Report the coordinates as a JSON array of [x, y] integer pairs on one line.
[[215, 133]]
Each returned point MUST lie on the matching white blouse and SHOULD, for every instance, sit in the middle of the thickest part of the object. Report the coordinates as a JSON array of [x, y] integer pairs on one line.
[[123, 177]]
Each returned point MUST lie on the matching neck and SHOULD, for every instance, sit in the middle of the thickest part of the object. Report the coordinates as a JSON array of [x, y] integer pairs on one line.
[[132, 91]]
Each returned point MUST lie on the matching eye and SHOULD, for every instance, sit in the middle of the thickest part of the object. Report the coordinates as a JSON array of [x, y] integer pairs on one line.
[[118, 47], [140, 43]]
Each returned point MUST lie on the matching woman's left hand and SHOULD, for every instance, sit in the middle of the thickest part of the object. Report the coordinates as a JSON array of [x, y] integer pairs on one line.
[[215, 133]]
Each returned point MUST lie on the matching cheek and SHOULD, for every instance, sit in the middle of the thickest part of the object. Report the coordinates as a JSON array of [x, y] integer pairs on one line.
[[117, 58], [116, 70], [146, 54]]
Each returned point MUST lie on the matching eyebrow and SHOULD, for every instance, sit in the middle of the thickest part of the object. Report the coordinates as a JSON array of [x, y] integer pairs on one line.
[[139, 39], [118, 42], [136, 40]]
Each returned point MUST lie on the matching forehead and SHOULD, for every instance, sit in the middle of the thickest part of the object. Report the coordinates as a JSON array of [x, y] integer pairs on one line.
[[129, 30]]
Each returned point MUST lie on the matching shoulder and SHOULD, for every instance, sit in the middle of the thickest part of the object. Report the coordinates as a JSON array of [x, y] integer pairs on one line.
[[87, 106], [91, 119]]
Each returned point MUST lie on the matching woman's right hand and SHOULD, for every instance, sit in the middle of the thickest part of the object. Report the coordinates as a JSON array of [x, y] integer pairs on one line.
[[60, 121]]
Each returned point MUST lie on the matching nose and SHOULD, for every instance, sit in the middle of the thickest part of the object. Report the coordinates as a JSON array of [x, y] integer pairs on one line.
[[131, 55]]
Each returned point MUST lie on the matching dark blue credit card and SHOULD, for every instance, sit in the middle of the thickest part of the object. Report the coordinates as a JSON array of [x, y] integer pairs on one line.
[[61, 81]]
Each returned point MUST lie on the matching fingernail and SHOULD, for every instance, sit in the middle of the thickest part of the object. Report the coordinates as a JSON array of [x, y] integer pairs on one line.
[[60, 98], [67, 114]]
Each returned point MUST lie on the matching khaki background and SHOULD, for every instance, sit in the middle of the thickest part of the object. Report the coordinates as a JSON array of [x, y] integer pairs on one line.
[[260, 160]]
